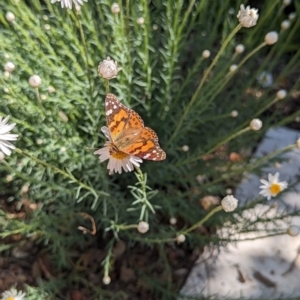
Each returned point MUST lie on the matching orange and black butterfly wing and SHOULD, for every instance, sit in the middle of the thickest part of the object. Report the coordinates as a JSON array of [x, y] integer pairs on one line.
[[146, 146], [120, 118], [128, 132]]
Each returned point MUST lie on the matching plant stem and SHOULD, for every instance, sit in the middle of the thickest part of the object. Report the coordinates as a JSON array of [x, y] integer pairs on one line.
[[86, 53], [206, 73], [106, 86], [222, 142], [57, 170], [202, 221]]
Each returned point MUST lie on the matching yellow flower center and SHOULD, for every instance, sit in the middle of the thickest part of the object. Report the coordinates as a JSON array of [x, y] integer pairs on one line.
[[119, 155], [275, 188], [10, 298], [116, 153]]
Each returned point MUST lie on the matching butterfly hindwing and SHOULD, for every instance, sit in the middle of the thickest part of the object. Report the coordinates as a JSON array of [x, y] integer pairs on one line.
[[128, 132], [146, 146]]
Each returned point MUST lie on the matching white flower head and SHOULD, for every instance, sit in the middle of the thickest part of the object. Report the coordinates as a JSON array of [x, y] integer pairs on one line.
[[118, 160], [206, 54], [285, 24], [173, 221], [265, 79], [180, 239], [229, 203], [106, 280], [292, 16], [271, 38], [68, 3], [287, 2], [272, 187], [140, 21], [234, 113], [233, 68], [229, 191], [247, 16], [35, 81], [115, 8], [9, 67], [281, 94], [108, 68], [51, 89], [185, 148], [13, 294], [293, 230], [256, 124], [6, 136], [10, 17], [143, 227], [239, 48]]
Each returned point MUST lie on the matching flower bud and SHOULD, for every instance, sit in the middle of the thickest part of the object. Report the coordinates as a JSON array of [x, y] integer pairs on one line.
[[115, 8], [239, 48], [293, 230], [232, 68], [143, 227], [286, 2], [108, 69], [271, 38], [35, 81], [173, 221], [140, 21], [229, 203], [51, 89], [256, 124], [9, 67], [180, 239], [229, 191], [292, 16], [206, 54], [106, 280], [234, 113], [185, 148], [281, 94], [10, 17], [285, 24]]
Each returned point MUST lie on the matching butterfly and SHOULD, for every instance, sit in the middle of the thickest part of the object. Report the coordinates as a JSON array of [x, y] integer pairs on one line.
[[128, 133]]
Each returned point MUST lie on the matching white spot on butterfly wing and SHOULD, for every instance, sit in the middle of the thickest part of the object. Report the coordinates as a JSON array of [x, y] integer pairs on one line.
[[146, 156], [109, 112]]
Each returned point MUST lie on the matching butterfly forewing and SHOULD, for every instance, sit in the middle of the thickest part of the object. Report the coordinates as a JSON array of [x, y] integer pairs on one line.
[[118, 117], [128, 132]]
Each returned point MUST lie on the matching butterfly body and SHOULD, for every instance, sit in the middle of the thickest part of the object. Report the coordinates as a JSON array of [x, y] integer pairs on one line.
[[128, 133]]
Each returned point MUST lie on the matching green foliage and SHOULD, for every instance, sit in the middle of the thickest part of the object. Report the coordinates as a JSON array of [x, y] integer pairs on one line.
[[166, 80]]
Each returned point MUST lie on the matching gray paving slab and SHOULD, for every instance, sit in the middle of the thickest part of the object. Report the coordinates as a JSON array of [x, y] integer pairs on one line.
[[265, 268]]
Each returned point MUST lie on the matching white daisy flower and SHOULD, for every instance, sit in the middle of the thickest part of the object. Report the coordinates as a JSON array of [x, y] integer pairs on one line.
[[272, 187], [5, 136], [68, 3], [13, 294], [118, 160]]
